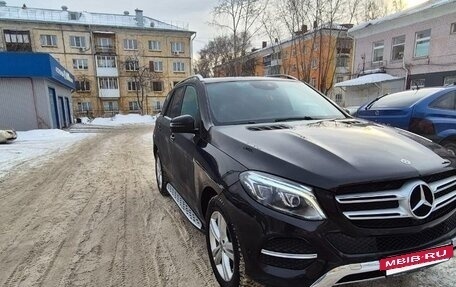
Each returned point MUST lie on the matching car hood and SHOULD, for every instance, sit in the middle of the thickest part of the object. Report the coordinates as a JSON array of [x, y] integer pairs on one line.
[[328, 154]]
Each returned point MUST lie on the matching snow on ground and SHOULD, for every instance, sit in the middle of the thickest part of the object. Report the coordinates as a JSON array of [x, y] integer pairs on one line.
[[119, 120], [35, 146]]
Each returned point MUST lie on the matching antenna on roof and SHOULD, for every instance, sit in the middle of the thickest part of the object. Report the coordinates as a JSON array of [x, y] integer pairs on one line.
[[24, 6], [126, 13], [64, 8]]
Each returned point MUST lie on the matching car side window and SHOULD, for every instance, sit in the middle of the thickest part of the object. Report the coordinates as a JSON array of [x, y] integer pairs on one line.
[[445, 102], [190, 103], [175, 104]]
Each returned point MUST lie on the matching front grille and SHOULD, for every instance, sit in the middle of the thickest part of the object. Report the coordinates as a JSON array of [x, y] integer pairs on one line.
[[390, 243], [375, 209], [289, 245]]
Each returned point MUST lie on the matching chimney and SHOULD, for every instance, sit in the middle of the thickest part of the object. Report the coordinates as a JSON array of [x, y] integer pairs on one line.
[[264, 44], [315, 24], [139, 17], [64, 8], [304, 28], [126, 13], [2, 4], [276, 41]]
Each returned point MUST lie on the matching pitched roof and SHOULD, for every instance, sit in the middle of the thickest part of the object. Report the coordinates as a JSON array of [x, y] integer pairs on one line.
[[367, 80], [407, 12]]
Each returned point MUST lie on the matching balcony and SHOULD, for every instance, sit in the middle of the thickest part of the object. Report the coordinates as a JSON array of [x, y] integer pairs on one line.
[[105, 49], [107, 72], [109, 93]]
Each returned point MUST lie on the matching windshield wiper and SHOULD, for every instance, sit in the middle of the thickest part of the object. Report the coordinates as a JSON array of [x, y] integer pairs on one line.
[[373, 102], [294, 119]]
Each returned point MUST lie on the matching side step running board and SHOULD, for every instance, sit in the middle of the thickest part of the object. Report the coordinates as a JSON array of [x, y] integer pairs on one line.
[[191, 216]]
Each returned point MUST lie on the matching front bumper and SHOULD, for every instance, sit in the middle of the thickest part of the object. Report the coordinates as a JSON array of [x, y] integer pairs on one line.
[[320, 262], [335, 275]]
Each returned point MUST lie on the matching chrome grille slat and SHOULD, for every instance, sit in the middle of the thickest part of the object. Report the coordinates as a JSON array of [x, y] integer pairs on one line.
[[399, 196]]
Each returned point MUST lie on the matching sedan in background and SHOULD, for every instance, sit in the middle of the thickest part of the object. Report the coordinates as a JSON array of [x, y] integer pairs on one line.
[[7, 136], [429, 112]]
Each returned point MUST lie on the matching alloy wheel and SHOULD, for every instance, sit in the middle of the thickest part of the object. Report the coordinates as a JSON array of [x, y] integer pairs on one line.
[[221, 246]]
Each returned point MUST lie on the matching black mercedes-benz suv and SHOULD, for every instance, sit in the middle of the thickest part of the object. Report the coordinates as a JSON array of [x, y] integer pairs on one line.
[[290, 190]]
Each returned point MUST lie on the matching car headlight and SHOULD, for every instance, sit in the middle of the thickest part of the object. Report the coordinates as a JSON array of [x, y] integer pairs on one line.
[[282, 195]]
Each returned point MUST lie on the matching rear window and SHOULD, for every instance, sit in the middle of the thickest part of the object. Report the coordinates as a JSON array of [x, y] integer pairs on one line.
[[403, 99]]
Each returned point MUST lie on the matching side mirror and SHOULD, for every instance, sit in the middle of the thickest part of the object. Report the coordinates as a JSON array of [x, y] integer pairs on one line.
[[183, 124]]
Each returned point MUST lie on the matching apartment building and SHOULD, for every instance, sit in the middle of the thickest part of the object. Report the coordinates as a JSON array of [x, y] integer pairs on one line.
[[110, 55], [417, 44], [321, 57]]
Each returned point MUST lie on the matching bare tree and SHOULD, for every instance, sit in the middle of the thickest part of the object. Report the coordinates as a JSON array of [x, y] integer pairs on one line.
[[141, 75], [241, 19], [374, 9]]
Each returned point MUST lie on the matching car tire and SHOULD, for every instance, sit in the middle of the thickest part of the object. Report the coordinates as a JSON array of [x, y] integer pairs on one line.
[[160, 176], [450, 145], [228, 265]]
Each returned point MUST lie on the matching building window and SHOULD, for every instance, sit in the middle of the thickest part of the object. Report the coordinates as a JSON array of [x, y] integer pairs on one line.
[[156, 66], [398, 48], [417, 83], [130, 44], [177, 47], [453, 28], [17, 37], [80, 64], [342, 61], [133, 86], [82, 86], [339, 79], [377, 55], [106, 62], [178, 67], [157, 106], [313, 82], [422, 42], [84, 106], [338, 98], [105, 43], [110, 106], [108, 83], [154, 45], [157, 86], [132, 65], [450, 80], [77, 41], [48, 40], [133, 106]]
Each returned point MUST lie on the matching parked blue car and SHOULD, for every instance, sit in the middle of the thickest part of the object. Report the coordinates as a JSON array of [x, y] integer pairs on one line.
[[430, 112]]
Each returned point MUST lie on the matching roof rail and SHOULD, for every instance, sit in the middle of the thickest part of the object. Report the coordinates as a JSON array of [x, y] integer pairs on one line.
[[283, 76], [197, 76]]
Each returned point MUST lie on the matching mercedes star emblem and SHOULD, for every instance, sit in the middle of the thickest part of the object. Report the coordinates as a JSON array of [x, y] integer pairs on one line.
[[421, 201]]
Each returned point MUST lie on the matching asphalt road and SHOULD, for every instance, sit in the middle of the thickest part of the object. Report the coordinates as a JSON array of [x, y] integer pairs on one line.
[[92, 216]]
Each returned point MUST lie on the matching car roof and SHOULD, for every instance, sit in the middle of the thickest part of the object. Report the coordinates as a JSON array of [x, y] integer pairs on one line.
[[238, 79]]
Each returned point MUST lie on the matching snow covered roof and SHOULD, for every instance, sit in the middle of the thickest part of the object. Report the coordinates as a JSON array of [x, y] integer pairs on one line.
[[367, 80], [87, 18], [407, 12]]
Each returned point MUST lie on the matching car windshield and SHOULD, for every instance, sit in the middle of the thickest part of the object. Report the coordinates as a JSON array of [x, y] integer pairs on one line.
[[252, 101], [403, 99]]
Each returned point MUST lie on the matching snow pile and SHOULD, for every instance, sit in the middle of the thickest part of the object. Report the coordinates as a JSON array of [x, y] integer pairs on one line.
[[367, 80], [34, 147], [119, 120]]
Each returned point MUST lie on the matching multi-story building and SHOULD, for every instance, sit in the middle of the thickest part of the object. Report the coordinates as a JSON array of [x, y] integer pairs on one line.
[[110, 55], [321, 57], [418, 45]]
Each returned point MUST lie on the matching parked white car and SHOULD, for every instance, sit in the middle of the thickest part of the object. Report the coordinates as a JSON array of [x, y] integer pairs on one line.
[[7, 136]]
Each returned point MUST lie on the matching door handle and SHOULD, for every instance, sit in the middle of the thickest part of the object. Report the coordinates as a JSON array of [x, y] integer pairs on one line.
[[172, 137]]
